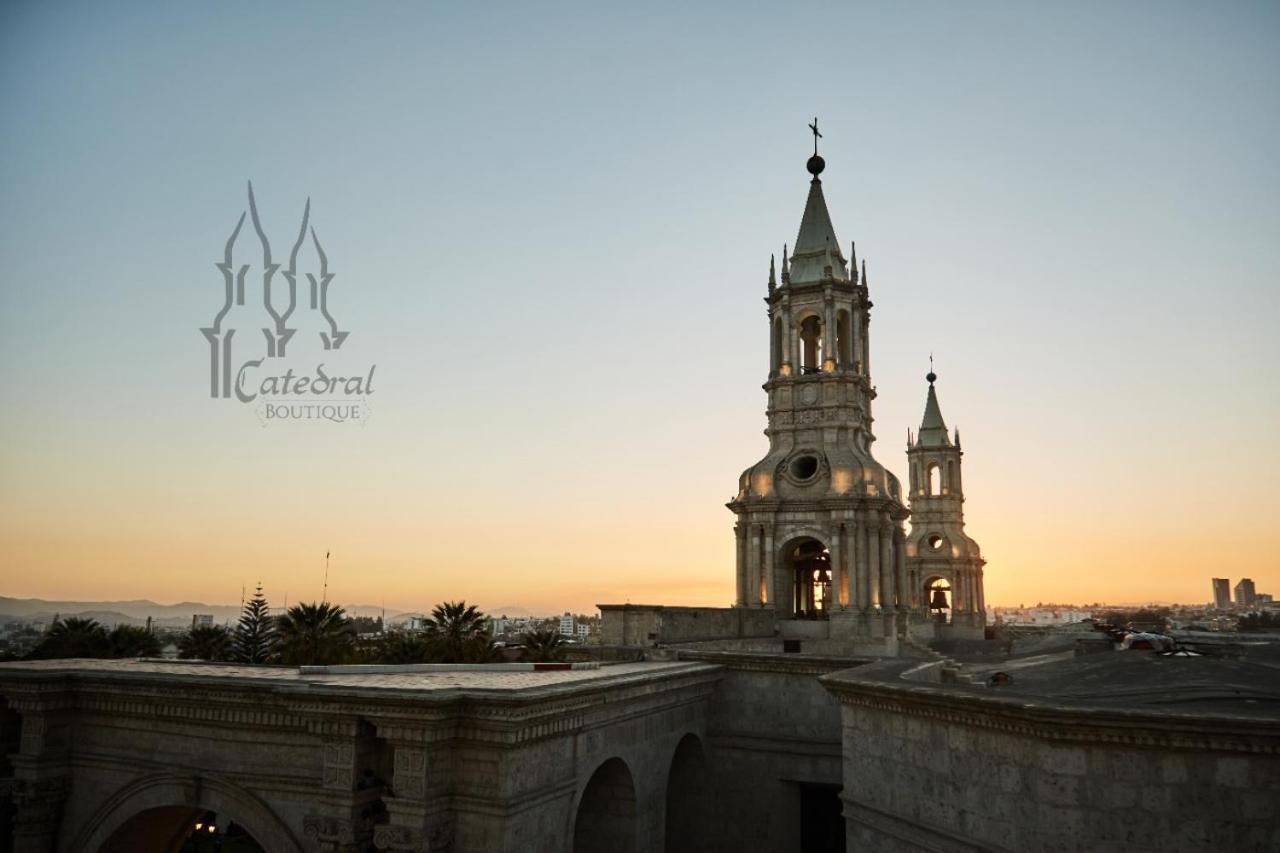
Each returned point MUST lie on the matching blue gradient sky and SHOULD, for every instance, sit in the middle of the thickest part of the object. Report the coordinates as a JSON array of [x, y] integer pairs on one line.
[[551, 227]]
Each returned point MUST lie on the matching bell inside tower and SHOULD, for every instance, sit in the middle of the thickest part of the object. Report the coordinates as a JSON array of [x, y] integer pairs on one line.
[[938, 594], [810, 564]]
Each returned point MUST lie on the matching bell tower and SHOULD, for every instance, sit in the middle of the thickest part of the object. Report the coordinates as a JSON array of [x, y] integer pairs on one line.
[[943, 562], [820, 535]]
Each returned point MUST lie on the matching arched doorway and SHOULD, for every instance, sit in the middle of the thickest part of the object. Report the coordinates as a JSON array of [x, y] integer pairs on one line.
[[808, 569], [167, 807], [937, 596], [606, 820], [689, 801], [180, 829]]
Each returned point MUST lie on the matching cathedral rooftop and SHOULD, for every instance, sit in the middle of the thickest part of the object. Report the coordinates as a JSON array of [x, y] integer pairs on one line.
[[1134, 684], [443, 682]]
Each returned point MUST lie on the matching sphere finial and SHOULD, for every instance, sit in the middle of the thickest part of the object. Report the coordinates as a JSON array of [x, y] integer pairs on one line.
[[931, 376], [816, 164]]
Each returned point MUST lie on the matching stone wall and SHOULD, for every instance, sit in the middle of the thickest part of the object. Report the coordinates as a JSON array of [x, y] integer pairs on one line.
[[930, 769], [654, 624], [773, 729]]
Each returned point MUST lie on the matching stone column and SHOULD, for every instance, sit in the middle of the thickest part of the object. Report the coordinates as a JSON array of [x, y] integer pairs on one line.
[[37, 811], [837, 570], [753, 564], [409, 825], [828, 333], [959, 600], [770, 582], [982, 595], [886, 564], [900, 567], [862, 565], [793, 335], [866, 348], [788, 350], [740, 537], [873, 563], [855, 329]]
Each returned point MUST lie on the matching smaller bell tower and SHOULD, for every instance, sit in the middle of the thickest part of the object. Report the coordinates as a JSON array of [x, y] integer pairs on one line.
[[943, 562]]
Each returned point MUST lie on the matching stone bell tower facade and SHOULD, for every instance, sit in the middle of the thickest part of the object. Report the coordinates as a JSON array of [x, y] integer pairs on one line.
[[820, 536], [943, 562]]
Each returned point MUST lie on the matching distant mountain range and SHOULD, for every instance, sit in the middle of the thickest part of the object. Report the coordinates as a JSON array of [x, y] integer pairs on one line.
[[136, 612], [178, 615]]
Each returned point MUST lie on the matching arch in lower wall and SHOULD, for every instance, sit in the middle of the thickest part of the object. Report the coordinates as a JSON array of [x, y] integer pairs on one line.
[[206, 793]]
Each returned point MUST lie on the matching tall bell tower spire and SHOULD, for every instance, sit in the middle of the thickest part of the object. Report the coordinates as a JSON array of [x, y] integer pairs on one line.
[[820, 532], [943, 562]]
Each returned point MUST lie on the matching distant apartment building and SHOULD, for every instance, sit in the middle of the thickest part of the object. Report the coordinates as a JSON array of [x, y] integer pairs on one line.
[[201, 620], [584, 632], [1042, 615], [1246, 595], [1222, 593], [566, 624]]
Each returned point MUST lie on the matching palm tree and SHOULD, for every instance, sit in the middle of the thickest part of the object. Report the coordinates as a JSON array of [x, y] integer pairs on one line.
[[543, 644], [72, 638], [480, 649], [130, 641], [313, 634], [206, 642], [452, 631]]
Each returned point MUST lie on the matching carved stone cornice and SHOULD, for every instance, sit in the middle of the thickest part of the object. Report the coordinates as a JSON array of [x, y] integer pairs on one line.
[[230, 707], [1041, 718]]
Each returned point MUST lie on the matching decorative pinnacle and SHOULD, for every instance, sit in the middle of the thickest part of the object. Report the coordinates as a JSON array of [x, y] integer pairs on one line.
[[931, 376], [816, 164], [786, 269], [773, 281], [864, 272], [853, 262]]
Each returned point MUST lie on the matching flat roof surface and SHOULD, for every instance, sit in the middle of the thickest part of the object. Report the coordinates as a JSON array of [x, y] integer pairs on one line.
[[1131, 681], [1144, 680], [477, 679]]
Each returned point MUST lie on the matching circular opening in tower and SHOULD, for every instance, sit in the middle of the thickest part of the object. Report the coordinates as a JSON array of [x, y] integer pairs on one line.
[[935, 542], [804, 467]]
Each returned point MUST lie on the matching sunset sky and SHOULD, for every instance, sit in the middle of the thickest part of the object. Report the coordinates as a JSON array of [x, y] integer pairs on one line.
[[550, 227]]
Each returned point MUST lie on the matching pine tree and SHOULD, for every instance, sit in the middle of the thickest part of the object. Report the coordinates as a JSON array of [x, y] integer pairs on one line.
[[256, 633]]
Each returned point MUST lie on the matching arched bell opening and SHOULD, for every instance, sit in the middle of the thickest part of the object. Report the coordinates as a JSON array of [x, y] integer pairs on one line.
[[937, 596], [810, 344], [808, 565]]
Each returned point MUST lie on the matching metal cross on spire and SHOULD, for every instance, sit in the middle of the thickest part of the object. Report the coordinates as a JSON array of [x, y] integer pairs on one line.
[[816, 135]]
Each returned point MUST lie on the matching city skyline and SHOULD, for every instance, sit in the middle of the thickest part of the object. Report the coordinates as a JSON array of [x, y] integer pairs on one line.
[[558, 276]]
